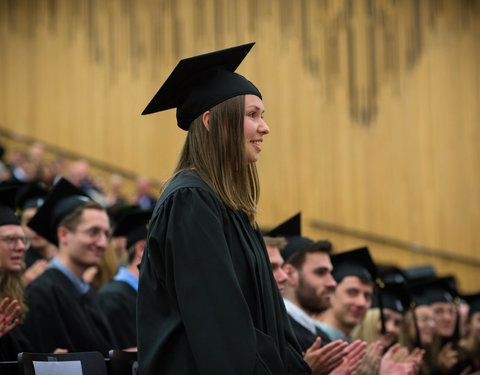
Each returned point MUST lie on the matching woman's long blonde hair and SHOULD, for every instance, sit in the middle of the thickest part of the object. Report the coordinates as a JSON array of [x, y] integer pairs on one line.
[[367, 329], [11, 285], [218, 156]]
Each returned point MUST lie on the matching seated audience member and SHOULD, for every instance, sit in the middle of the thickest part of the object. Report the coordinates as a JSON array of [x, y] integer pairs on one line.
[[420, 324], [300, 297], [354, 273], [65, 311], [308, 289], [274, 245], [469, 346], [119, 296], [442, 294], [12, 308], [143, 197], [333, 356], [28, 199], [384, 320]]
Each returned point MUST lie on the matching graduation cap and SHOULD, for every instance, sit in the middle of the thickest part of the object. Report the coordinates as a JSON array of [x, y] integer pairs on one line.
[[443, 289], [473, 301], [291, 230], [7, 205], [440, 289], [394, 296], [62, 200], [419, 273], [201, 82], [133, 225], [391, 274], [117, 211], [30, 195], [357, 262]]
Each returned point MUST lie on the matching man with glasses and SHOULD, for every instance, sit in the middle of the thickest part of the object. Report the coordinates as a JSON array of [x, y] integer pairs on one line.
[[65, 311]]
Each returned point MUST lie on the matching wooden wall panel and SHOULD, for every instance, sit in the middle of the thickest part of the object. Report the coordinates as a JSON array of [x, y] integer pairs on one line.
[[373, 105]]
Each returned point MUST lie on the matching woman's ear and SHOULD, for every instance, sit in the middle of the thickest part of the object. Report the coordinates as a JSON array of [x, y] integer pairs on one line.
[[205, 119]]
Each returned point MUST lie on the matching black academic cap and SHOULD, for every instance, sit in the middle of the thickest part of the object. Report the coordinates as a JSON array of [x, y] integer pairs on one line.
[[443, 289], [289, 228], [7, 205], [357, 262], [30, 195], [440, 289], [201, 82], [62, 200], [118, 210], [394, 296], [133, 225], [473, 301], [419, 273], [292, 231]]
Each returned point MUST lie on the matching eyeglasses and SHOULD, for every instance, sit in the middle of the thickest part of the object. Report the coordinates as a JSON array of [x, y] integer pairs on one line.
[[95, 233], [12, 241]]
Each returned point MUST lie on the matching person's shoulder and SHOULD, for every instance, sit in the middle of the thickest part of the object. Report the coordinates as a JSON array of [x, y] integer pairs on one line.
[[186, 183], [49, 282], [188, 179], [51, 276], [114, 287]]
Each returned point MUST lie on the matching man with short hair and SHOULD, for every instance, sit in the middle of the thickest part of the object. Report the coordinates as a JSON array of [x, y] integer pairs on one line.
[[308, 289], [64, 310], [119, 296], [274, 247], [355, 273]]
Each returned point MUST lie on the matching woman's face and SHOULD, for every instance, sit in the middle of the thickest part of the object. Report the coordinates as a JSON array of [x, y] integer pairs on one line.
[[426, 324], [254, 128], [393, 324], [446, 316], [475, 326]]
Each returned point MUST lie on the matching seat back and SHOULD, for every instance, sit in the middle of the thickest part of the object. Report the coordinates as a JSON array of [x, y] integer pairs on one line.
[[79, 363], [123, 362]]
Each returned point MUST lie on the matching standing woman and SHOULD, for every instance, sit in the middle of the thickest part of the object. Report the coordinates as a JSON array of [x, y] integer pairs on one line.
[[207, 299]]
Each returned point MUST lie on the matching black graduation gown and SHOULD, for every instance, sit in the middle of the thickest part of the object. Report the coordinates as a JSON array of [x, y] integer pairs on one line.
[[60, 317], [305, 337], [207, 300], [119, 302], [12, 343]]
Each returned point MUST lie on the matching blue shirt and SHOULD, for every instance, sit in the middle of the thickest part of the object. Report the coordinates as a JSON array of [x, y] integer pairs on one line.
[[126, 276], [332, 332]]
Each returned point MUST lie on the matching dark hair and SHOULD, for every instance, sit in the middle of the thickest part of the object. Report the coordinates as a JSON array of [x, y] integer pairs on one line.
[[72, 220], [297, 259]]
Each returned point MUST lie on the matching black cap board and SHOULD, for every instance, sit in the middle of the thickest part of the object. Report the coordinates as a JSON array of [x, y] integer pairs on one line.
[[7, 205], [417, 273], [394, 297], [440, 289], [473, 301], [61, 200], [201, 82], [30, 195], [292, 231], [133, 225], [357, 262]]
